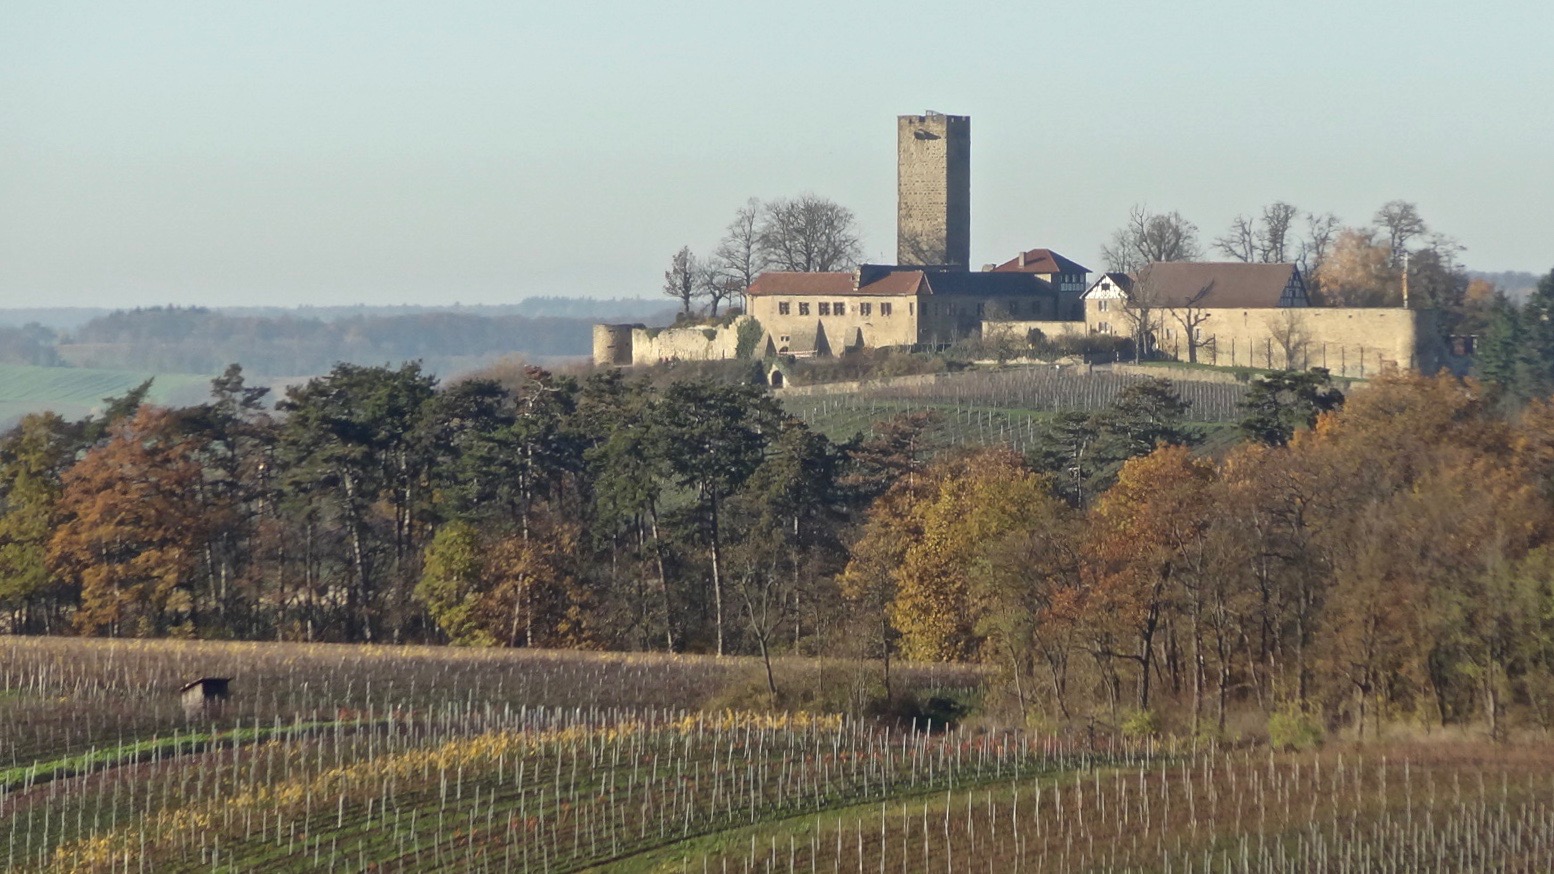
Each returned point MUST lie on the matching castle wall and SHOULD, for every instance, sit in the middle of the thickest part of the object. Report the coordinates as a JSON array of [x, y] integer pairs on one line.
[[933, 189], [1349, 341], [655, 345]]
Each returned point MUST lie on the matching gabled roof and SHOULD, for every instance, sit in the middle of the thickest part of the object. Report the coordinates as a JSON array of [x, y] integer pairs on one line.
[[1120, 282], [1040, 261], [1214, 284], [802, 283]]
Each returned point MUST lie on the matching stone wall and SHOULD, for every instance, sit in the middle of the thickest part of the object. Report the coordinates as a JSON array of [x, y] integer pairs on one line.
[[933, 189], [655, 345], [1019, 330], [1349, 341], [619, 345]]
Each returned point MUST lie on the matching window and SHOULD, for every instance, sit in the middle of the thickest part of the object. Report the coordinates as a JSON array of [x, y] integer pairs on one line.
[[866, 309], [782, 308], [981, 309], [884, 309], [1101, 305], [803, 309], [1106, 286], [825, 309], [839, 308], [911, 309]]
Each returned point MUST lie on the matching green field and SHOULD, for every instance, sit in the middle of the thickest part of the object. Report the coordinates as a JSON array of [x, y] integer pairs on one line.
[[74, 392]]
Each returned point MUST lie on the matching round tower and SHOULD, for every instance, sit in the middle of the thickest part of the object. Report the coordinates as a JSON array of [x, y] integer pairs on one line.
[[612, 345]]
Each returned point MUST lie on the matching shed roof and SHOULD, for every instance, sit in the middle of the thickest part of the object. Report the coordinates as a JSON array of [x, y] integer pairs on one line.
[[1214, 284]]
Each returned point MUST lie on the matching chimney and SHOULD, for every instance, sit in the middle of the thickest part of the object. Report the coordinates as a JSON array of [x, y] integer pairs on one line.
[[1022, 257]]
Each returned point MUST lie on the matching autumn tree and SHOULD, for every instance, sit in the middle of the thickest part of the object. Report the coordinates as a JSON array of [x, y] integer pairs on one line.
[[129, 539], [974, 502], [1146, 546]]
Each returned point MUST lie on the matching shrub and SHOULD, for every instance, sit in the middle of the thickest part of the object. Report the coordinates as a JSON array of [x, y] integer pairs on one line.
[[1140, 724], [749, 337], [1292, 728]]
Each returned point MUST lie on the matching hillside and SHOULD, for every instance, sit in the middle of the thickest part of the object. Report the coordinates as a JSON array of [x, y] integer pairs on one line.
[[73, 392]]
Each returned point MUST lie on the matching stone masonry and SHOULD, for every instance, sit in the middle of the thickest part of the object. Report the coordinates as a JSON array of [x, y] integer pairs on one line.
[[933, 189]]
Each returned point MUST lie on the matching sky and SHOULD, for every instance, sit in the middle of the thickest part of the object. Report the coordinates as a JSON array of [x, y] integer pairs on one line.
[[339, 152]]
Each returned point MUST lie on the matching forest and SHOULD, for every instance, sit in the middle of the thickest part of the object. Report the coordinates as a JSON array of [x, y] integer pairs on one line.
[[279, 342], [1346, 562]]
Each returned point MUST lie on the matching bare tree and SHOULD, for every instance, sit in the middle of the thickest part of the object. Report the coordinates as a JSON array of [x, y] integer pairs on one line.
[[1190, 314], [683, 280], [1142, 309], [809, 234], [739, 254], [1274, 245], [1289, 332], [1321, 229], [1149, 237], [1264, 239], [1240, 242], [1401, 222], [717, 283]]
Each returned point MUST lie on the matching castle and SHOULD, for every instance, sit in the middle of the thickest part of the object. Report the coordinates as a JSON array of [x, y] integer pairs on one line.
[[1252, 315]]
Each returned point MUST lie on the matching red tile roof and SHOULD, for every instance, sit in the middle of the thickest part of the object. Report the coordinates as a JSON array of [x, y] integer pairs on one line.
[[1040, 261], [802, 283]]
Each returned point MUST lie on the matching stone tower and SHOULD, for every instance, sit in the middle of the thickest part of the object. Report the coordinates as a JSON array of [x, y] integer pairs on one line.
[[933, 189]]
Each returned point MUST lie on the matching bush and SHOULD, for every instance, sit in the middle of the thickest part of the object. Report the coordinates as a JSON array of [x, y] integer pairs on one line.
[[1140, 724], [748, 338], [1293, 729], [1088, 346]]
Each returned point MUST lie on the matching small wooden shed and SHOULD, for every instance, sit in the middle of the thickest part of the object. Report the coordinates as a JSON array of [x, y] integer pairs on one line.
[[204, 698]]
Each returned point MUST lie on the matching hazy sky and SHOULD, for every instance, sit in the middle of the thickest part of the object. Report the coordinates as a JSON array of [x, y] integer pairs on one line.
[[330, 151]]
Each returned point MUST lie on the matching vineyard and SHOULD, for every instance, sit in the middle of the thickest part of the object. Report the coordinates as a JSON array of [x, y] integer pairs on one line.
[[979, 408], [348, 758]]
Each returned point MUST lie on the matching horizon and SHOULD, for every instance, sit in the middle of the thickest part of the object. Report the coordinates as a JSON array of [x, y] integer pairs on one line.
[[300, 156]]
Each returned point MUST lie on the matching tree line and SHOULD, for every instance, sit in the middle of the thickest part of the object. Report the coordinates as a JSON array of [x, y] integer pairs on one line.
[[1350, 560], [201, 340]]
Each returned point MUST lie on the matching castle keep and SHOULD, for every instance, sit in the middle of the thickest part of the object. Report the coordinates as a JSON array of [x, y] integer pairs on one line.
[[933, 190]]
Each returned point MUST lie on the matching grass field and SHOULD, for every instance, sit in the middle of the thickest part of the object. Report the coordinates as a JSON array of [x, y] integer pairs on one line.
[[353, 758], [73, 392]]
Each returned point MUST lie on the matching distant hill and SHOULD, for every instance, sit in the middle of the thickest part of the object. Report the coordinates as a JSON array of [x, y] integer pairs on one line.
[[625, 309]]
